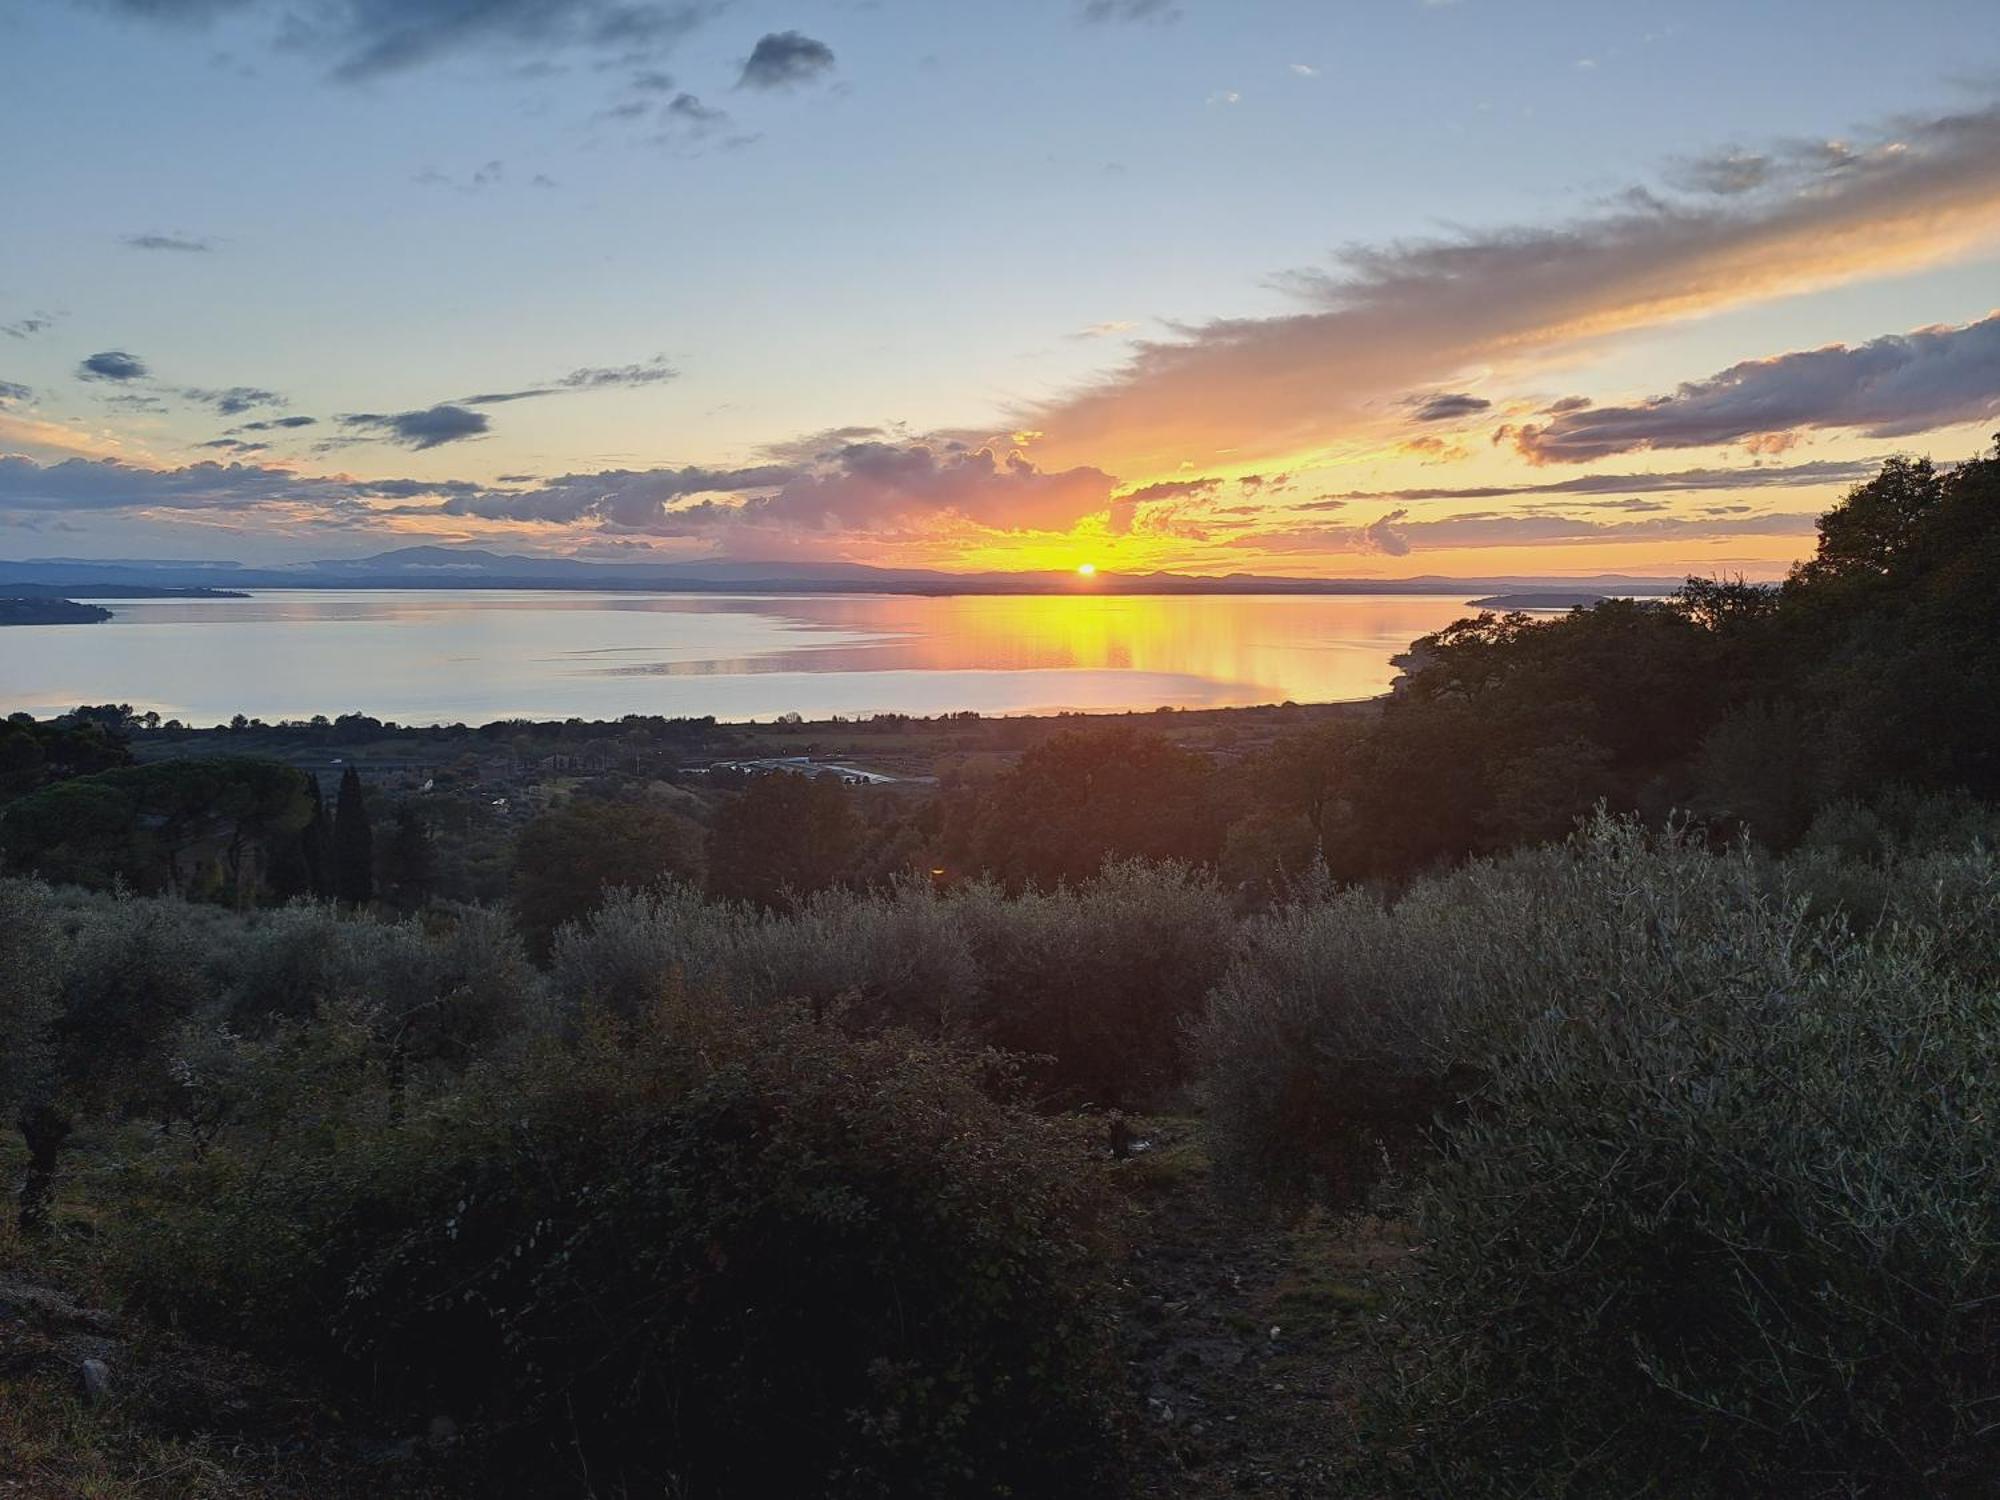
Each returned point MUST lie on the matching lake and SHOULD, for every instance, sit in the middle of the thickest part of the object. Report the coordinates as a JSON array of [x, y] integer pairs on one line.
[[431, 656]]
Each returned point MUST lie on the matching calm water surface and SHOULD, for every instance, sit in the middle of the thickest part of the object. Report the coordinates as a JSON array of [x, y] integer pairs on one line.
[[421, 656]]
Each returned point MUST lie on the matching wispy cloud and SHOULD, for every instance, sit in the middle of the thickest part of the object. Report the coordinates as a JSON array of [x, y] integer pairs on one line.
[[1892, 386], [233, 400], [1448, 406], [1396, 535], [655, 371], [1676, 481], [185, 244], [364, 39], [1155, 12], [1415, 314]]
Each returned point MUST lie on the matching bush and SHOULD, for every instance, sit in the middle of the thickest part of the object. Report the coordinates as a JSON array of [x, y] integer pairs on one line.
[[706, 1251], [1724, 1204], [438, 988], [1097, 980], [1101, 979], [638, 943], [1325, 1044]]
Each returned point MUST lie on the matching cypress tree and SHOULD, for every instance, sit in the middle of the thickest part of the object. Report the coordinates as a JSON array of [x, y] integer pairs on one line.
[[288, 867], [408, 865], [353, 843], [316, 843]]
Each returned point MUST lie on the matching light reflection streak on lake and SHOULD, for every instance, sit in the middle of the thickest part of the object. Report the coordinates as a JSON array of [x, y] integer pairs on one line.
[[427, 656]]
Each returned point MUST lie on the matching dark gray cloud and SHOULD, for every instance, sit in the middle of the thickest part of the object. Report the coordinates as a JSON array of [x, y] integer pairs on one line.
[[1894, 386], [1396, 535], [819, 447], [104, 484], [867, 486], [431, 427], [634, 499], [275, 424], [783, 58], [186, 244], [234, 445], [362, 39], [655, 371], [1171, 489], [13, 391], [1159, 12], [22, 328], [875, 485], [1677, 481], [1383, 535], [1447, 406], [112, 364], [1124, 509], [235, 399]]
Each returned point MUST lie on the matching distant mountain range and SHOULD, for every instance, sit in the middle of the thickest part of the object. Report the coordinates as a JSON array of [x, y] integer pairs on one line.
[[473, 568]]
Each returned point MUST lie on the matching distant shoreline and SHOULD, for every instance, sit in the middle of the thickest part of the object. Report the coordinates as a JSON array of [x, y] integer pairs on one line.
[[1100, 587], [453, 568]]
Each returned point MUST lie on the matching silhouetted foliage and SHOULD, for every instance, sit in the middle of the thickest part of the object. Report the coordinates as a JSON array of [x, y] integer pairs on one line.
[[568, 857], [353, 843], [1084, 797], [1874, 664], [783, 835], [34, 753], [199, 827], [407, 862]]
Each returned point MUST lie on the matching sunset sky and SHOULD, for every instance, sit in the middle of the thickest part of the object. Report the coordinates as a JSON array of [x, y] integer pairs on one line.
[[1375, 288]]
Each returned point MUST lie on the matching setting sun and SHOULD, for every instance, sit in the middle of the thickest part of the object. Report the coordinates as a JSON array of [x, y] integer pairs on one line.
[[1086, 570]]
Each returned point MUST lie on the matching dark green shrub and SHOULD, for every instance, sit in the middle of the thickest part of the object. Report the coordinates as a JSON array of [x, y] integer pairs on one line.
[[1096, 981], [1719, 1218], [708, 1252], [1100, 980], [1324, 1046]]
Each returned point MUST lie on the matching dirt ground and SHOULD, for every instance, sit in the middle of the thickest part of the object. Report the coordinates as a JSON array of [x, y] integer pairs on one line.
[[1254, 1347]]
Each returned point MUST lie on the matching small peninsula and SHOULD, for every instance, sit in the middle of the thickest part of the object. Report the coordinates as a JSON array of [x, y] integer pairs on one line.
[[1550, 600], [15, 611]]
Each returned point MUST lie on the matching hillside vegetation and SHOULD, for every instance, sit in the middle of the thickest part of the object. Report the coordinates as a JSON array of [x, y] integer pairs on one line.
[[1589, 1050]]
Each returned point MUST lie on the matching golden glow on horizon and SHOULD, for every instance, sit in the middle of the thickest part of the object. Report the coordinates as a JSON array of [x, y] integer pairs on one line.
[[1086, 570]]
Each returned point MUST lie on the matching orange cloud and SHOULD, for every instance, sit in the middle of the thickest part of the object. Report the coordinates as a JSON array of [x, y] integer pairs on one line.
[[1410, 317]]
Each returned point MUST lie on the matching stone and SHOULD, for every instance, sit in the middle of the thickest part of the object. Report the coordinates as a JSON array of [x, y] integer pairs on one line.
[[95, 1377]]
